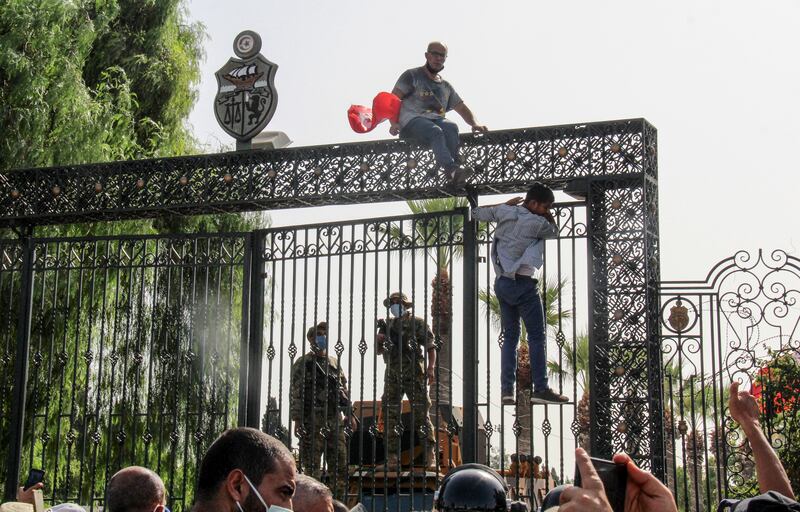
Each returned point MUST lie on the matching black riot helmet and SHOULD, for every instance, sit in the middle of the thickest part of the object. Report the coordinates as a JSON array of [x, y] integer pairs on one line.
[[552, 499], [471, 488]]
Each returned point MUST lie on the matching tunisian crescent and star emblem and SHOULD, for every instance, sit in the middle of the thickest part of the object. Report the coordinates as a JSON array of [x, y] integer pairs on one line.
[[246, 96]]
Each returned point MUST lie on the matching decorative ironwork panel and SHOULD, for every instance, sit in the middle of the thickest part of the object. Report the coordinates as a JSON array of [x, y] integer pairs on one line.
[[133, 359], [740, 323], [314, 176], [624, 262], [11, 261]]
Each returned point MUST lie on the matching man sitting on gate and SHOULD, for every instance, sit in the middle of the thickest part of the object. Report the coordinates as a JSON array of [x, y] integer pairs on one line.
[[400, 340], [320, 408]]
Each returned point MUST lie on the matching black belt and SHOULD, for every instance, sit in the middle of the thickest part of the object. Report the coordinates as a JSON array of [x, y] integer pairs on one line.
[[524, 276]]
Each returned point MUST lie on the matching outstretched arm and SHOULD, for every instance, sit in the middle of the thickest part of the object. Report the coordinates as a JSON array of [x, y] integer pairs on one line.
[[463, 110], [771, 474], [395, 128]]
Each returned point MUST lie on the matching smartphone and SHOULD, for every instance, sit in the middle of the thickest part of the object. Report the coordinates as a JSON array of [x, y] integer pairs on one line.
[[34, 477], [615, 481]]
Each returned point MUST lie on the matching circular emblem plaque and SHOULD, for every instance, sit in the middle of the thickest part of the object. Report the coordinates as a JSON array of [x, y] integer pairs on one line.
[[247, 44]]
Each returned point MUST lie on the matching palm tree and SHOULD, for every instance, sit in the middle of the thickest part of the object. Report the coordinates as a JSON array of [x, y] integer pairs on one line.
[[552, 315], [574, 367]]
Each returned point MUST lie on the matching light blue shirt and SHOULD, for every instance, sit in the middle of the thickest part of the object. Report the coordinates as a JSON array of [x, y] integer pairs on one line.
[[518, 238]]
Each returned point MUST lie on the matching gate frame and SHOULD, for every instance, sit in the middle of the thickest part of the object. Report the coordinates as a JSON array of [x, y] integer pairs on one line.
[[597, 162]]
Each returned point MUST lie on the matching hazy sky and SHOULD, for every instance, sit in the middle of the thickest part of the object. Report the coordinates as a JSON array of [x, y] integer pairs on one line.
[[718, 79]]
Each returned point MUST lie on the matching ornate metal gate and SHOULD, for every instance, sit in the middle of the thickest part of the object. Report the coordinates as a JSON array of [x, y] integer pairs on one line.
[[130, 360], [60, 331], [740, 323]]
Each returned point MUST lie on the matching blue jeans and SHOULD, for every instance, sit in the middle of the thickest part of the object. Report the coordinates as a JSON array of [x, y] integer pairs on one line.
[[440, 135], [519, 298]]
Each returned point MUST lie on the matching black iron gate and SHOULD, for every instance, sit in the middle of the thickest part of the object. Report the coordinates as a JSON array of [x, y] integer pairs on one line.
[[132, 353], [740, 323], [99, 372]]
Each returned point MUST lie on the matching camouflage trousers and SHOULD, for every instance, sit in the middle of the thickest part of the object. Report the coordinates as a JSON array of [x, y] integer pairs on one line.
[[334, 471], [411, 381]]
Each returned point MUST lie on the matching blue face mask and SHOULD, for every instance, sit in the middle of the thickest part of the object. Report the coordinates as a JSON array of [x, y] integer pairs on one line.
[[397, 310], [322, 342]]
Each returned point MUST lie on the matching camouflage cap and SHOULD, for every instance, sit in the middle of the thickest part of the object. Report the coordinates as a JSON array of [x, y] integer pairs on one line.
[[397, 295], [311, 333]]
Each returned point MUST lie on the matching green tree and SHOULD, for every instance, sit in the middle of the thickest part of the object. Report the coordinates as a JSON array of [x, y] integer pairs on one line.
[[102, 80], [574, 367], [88, 81]]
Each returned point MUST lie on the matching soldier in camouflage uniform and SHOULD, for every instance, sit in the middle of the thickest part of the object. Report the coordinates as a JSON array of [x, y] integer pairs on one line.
[[400, 340], [320, 404]]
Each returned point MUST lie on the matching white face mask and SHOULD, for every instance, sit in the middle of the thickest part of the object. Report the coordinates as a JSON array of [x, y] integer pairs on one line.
[[397, 310], [270, 508]]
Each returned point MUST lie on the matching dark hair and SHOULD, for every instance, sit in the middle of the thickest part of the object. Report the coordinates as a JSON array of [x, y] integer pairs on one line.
[[540, 193], [311, 333], [134, 489], [338, 506], [253, 452], [537, 460]]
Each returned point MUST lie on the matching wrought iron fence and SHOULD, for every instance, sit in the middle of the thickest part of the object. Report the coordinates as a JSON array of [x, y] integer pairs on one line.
[[11, 274], [133, 358], [740, 323]]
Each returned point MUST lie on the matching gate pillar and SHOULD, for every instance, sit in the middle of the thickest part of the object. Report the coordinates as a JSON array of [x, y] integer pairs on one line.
[[626, 406]]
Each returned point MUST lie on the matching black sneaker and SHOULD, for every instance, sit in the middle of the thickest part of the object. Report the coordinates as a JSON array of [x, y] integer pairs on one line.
[[508, 398], [460, 176], [548, 396]]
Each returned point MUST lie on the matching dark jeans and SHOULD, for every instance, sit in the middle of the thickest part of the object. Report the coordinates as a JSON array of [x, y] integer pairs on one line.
[[519, 298], [440, 135]]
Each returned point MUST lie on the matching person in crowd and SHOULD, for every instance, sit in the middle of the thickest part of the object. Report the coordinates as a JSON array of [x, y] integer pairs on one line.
[[644, 493], [426, 98], [400, 340], [320, 403], [338, 506], [773, 482], [310, 495], [136, 489], [537, 464], [517, 255], [513, 467], [245, 470]]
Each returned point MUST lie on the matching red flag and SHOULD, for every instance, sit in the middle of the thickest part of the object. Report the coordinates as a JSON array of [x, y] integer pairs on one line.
[[363, 119]]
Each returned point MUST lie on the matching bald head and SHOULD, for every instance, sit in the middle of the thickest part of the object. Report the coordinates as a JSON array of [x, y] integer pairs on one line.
[[135, 489], [437, 46], [311, 496]]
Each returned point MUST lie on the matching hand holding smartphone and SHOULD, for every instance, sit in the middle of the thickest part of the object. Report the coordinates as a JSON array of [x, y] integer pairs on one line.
[[34, 477], [615, 480]]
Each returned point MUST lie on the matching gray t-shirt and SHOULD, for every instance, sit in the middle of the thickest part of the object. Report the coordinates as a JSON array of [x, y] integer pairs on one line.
[[424, 97]]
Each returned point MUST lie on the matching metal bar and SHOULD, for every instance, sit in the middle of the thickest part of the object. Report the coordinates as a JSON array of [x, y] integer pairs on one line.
[[598, 304], [17, 420], [244, 346], [470, 318], [256, 338]]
